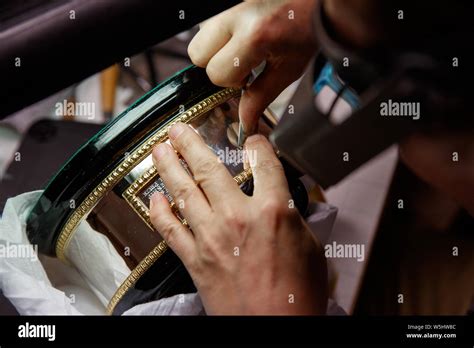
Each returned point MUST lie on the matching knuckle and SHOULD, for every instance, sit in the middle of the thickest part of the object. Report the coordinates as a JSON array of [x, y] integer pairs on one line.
[[168, 231], [275, 207], [216, 75], [225, 76], [206, 169], [234, 221], [195, 54], [184, 192], [209, 251]]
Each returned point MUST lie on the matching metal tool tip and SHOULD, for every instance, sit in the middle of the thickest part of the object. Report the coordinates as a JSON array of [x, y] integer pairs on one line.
[[241, 136]]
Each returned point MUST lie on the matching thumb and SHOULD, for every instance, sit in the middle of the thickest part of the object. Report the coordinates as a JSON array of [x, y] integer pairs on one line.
[[255, 98]]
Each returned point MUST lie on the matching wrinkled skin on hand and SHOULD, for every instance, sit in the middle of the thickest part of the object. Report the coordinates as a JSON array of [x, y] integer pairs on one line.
[[236, 41], [246, 255]]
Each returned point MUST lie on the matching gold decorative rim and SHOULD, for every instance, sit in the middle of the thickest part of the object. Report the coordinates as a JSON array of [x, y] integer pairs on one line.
[[129, 163], [150, 259], [136, 274], [130, 194]]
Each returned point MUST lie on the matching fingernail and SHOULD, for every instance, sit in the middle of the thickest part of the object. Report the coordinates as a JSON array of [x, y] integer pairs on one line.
[[160, 151], [176, 130], [151, 202], [254, 138], [154, 198]]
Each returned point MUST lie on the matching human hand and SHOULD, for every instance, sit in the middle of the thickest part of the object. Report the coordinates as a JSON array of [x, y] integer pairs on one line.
[[246, 255], [236, 41]]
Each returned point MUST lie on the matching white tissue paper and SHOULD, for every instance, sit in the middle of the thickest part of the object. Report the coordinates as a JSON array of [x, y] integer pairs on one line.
[[41, 285]]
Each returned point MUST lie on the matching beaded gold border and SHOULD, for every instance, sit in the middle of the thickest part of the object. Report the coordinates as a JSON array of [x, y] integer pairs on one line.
[[130, 162], [136, 273], [130, 194]]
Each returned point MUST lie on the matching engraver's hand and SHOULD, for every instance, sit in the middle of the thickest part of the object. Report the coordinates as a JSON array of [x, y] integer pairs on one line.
[[246, 255], [234, 42]]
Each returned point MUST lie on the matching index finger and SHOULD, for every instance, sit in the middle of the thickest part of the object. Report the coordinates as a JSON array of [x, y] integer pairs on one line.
[[211, 175], [213, 34]]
